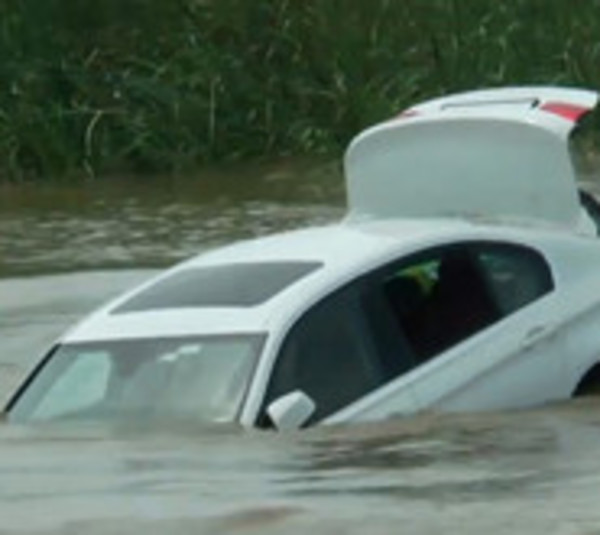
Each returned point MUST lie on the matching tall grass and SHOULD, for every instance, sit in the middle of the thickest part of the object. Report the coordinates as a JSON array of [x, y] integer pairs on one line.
[[90, 89]]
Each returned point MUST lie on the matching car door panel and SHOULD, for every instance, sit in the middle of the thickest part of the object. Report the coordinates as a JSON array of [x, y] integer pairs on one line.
[[490, 371], [511, 358], [499, 369]]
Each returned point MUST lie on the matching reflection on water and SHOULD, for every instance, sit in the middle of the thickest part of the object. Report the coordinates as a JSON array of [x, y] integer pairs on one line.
[[520, 472]]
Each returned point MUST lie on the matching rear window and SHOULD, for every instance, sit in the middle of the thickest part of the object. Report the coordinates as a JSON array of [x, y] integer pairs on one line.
[[231, 285]]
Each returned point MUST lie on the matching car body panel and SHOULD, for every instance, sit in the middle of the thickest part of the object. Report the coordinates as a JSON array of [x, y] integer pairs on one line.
[[497, 368]]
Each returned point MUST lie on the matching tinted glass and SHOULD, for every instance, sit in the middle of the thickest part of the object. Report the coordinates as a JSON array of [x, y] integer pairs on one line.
[[515, 276], [195, 378], [443, 296], [329, 355], [231, 285], [439, 298]]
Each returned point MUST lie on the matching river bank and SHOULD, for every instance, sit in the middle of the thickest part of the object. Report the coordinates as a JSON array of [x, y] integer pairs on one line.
[[150, 87]]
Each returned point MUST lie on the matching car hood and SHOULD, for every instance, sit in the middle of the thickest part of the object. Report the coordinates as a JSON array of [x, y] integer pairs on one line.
[[490, 153]]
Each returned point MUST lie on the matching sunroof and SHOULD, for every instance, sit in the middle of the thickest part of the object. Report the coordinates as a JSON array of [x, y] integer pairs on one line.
[[231, 285]]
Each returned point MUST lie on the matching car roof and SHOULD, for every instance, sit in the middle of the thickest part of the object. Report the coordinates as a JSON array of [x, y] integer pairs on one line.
[[341, 251]]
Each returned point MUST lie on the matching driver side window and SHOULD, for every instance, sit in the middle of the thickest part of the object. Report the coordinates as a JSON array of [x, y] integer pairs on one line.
[[329, 355]]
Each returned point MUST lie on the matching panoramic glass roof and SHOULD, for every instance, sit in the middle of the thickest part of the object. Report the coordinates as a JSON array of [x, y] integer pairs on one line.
[[232, 285]]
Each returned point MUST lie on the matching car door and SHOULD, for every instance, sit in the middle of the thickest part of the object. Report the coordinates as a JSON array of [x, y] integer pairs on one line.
[[460, 326], [341, 350], [478, 319]]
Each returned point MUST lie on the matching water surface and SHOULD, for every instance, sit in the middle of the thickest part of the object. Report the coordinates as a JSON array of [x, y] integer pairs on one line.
[[65, 249]]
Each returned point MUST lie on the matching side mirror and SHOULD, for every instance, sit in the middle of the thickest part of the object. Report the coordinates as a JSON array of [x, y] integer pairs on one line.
[[291, 411]]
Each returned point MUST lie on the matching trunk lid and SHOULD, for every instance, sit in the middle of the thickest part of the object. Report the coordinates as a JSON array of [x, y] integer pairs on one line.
[[499, 153]]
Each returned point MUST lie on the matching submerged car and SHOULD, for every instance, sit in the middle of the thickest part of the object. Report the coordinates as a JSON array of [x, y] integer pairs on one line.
[[465, 276]]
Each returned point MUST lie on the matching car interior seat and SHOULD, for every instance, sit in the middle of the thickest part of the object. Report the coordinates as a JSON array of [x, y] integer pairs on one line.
[[461, 302]]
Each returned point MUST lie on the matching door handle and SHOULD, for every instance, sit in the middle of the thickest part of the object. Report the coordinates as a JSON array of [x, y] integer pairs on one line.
[[534, 336]]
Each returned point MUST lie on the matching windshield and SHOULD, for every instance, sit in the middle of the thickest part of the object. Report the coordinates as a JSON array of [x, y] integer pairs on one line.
[[200, 378]]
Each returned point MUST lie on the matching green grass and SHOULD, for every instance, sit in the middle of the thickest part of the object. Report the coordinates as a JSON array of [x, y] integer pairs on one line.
[[150, 86]]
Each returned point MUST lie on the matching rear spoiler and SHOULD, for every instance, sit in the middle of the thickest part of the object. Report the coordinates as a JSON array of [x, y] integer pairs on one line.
[[542, 104]]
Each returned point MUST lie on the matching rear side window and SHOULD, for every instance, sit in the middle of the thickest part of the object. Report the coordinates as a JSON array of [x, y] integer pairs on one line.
[[230, 285], [515, 276], [443, 296]]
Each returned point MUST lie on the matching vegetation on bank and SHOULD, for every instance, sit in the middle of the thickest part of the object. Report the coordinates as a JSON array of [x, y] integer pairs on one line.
[[166, 86]]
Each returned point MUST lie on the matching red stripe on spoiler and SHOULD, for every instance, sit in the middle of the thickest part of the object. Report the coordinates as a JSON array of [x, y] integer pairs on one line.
[[570, 112]]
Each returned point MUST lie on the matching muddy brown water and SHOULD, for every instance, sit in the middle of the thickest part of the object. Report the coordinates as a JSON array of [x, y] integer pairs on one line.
[[64, 250]]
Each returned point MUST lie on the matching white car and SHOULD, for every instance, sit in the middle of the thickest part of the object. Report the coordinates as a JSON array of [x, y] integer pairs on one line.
[[465, 276]]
